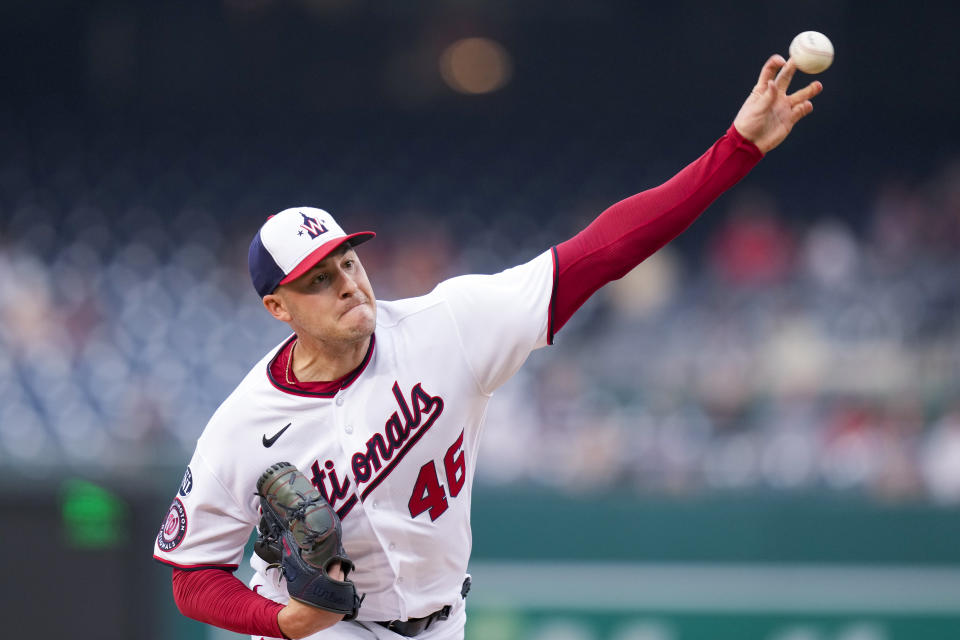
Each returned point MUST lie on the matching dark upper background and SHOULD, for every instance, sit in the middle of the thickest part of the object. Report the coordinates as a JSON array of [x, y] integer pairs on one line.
[[629, 83]]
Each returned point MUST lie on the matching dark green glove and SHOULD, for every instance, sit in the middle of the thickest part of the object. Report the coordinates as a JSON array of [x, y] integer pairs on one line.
[[300, 532]]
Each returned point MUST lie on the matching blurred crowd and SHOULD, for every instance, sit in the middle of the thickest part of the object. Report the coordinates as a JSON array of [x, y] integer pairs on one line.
[[780, 353], [792, 355]]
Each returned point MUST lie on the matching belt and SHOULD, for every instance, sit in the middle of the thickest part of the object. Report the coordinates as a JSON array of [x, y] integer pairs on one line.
[[415, 626]]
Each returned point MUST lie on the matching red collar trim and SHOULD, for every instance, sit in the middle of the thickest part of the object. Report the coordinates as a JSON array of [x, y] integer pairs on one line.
[[277, 374]]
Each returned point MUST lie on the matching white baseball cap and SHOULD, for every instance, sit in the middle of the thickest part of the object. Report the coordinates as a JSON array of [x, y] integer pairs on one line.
[[291, 242]]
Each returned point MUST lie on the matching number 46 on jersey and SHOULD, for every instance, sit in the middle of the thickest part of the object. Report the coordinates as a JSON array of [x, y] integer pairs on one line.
[[428, 494]]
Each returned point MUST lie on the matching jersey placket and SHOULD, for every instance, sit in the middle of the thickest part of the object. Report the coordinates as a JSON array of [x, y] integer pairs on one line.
[[353, 437]]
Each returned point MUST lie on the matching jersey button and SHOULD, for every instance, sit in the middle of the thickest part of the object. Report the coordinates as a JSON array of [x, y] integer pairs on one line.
[[400, 580], [339, 401], [392, 546], [375, 504], [348, 428]]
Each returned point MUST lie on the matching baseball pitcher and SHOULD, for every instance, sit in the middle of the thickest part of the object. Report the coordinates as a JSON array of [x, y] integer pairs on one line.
[[351, 446]]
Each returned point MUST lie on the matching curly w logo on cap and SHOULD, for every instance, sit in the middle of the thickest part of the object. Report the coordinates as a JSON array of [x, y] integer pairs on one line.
[[311, 226]]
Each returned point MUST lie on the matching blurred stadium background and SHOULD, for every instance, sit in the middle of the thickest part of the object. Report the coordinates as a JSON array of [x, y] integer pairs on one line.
[[755, 435]]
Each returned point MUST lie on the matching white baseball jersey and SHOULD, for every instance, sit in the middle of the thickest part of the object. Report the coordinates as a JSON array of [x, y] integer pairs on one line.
[[393, 451]]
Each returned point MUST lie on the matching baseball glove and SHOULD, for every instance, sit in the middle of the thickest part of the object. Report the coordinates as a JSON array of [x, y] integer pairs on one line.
[[300, 532]]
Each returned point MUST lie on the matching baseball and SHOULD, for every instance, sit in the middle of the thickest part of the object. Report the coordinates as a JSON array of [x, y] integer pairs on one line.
[[812, 51]]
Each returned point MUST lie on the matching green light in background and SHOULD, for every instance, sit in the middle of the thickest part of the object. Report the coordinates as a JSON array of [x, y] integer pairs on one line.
[[93, 517]]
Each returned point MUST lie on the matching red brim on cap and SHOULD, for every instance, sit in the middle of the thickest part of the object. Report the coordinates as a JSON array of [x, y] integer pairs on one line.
[[323, 251]]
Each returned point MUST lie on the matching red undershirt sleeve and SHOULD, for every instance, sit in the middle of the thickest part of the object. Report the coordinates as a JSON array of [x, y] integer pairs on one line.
[[217, 597], [630, 231]]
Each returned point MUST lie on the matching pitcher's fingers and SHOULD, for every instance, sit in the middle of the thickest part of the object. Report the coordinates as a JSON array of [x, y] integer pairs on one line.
[[769, 71], [786, 74], [801, 110], [808, 92]]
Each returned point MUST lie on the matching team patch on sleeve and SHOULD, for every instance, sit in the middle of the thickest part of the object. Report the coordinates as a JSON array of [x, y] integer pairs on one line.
[[186, 485], [174, 527]]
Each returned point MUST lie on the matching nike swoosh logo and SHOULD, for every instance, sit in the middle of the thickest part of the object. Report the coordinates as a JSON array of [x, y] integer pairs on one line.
[[268, 442]]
